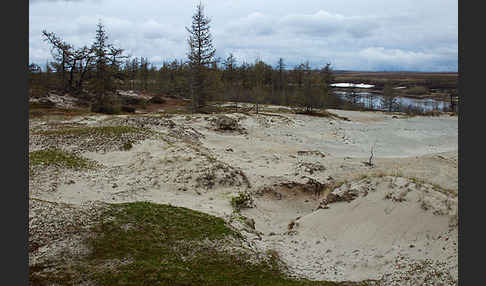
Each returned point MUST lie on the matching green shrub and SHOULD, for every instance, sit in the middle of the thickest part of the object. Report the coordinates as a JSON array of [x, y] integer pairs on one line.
[[129, 109], [243, 200], [106, 108], [107, 105], [131, 100], [127, 146], [417, 90], [157, 100]]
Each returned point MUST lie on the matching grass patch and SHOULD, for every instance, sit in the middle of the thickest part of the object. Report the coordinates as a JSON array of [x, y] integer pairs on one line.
[[59, 158], [38, 111], [415, 180], [411, 112], [162, 245], [322, 113], [436, 187], [111, 131], [176, 110], [99, 138], [417, 90]]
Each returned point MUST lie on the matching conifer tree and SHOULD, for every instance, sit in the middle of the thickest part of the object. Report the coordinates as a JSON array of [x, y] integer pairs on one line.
[[201, 56]]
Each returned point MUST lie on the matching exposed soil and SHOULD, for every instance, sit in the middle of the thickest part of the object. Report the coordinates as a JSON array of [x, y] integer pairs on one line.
[[328, 215]]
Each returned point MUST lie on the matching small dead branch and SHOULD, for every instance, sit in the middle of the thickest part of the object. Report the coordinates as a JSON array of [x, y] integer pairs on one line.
[[370, 160]]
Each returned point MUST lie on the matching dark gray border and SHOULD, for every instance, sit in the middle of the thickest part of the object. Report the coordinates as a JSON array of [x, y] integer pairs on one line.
[[462, 109], [471, 145], [14, 212]]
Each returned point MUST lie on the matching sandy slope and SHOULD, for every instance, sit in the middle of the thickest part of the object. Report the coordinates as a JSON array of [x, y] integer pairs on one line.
[[401, 215]]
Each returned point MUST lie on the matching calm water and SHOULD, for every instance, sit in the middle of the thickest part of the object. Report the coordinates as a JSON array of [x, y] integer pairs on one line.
[[374, 101]]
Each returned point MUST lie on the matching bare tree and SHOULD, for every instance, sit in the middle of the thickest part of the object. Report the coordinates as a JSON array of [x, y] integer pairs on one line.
[[312, 91], [80, 65], [63, 55], [282, 85], [307, 81], [74, 65], [201, 56], [370, 163], [327, 74], [327, 78], [389, 99], [229, 79]]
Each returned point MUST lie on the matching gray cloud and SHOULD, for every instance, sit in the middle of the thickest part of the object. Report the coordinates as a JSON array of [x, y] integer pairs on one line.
[[351, 34], [40, 1], [320, 23]]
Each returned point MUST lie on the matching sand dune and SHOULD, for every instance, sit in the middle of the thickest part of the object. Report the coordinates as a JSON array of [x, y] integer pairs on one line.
[[404, 208]]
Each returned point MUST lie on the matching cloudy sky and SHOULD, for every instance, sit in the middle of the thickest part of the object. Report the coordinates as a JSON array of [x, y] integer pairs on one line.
[[373, 35]]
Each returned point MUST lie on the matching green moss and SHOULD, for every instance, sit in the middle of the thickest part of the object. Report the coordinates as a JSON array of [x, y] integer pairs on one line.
[[38, 110], [59, 158], [112, 131], [162, 245]]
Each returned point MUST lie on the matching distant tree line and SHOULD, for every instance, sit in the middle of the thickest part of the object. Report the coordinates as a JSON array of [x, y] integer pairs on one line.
[[100, 69], [226, 80]]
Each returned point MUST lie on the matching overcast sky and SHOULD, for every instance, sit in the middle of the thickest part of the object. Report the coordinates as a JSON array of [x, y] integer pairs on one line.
[[374, 35]]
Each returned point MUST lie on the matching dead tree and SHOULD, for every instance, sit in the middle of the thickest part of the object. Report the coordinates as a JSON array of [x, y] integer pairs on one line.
[[63, 54], [370, 160]]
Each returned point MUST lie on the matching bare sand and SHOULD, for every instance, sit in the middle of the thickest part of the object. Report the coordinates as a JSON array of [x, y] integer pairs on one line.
[[404, 207]]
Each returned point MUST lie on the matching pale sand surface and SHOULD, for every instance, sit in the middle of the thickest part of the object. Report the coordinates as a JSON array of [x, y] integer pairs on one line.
[[415, 159]]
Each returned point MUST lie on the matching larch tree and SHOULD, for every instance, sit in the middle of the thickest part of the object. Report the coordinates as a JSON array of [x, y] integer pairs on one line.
[[389, 99], [327, 78], [201, 56], [281, 84], [308, 95], [62, 53], [229, 79], [258, 92], [106, 60], [102, 82]]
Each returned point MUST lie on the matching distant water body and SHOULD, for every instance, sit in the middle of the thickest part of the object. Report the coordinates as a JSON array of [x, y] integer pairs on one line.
[[374, 101]]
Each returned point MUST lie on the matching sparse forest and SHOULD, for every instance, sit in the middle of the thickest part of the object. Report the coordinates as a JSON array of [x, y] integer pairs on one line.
[[96, 72]]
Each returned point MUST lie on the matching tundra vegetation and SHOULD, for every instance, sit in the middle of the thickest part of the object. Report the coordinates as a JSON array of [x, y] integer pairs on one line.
[[143, 243]]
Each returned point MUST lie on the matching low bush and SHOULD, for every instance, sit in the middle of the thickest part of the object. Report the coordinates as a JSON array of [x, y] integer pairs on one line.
[[243, 200], [131, 100], [157, 100], [107, 105], [127, 146], [129, 109], [417, 90]]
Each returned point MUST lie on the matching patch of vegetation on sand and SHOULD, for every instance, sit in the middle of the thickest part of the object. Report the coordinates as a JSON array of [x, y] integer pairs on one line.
[[59, 158], [149, 244], [322, 113], [243, 200], [38, 110], [111, 131], [97, 138]]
